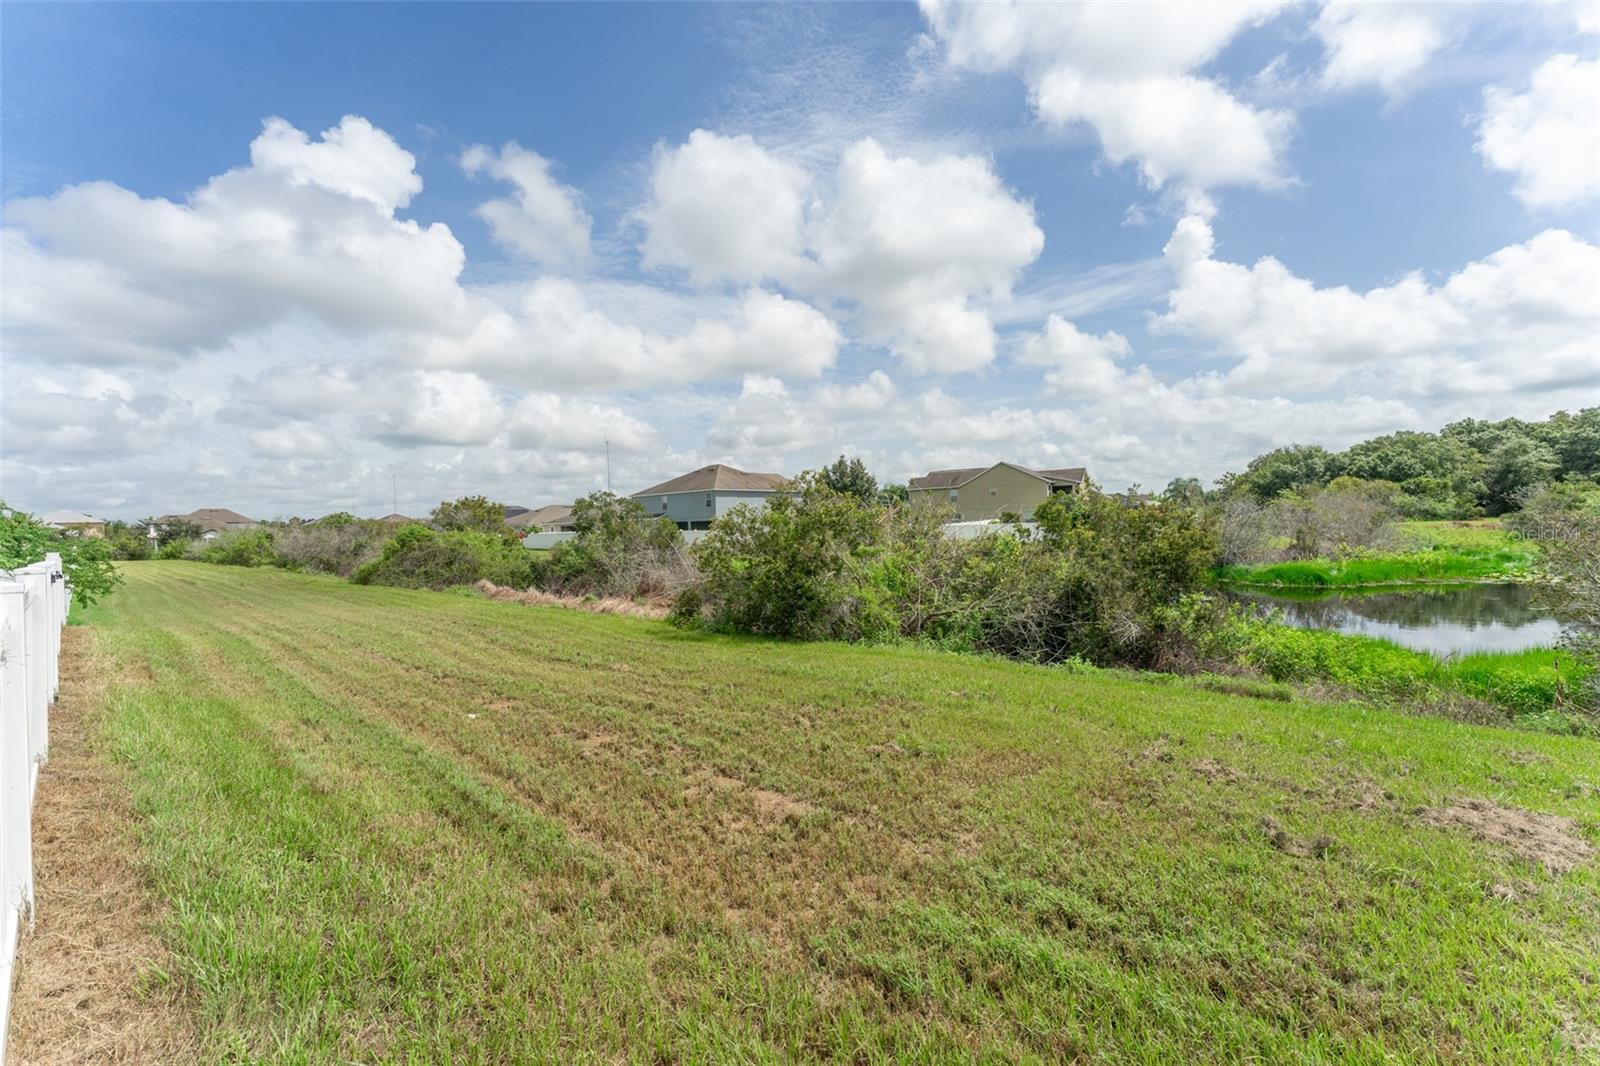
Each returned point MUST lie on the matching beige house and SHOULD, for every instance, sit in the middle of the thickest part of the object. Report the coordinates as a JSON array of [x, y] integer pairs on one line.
[[75, 523], [984, 492]]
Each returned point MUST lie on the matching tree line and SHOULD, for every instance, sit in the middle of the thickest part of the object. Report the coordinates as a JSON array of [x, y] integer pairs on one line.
[[1468, 469]]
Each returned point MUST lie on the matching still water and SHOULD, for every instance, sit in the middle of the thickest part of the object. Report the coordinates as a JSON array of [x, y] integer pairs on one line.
[[1442, 619]]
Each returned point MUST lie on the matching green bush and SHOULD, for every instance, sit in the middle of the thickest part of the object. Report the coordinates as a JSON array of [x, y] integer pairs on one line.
[[177, 549], [241, 547], [1101, 581], [474, 514], [619, 550], [85, 560], [337, 544], [419, 557], [127, 541], [1131, 578], [809, 565]]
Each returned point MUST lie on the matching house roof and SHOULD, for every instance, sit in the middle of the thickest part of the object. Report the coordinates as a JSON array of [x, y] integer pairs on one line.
[[951, 479], [549, 514], [210, 518], [717, 476], [946, 479], [512, 510], [69, 518], [397, 518]]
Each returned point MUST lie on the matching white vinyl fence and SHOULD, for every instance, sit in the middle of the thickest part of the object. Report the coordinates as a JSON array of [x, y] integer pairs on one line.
[[33, 608]]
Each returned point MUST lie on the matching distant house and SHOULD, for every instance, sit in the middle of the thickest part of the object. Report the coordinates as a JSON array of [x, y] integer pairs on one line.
[[696, 499], [75, 523], [512, 511], [984, 492], [213, 521], [551, 518], [398, 519]]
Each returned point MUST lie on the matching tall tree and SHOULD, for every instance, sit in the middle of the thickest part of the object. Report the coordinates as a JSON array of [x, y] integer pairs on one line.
[[1518, 464], [1186, 491], [850, 476], [1292, 466], [474, 514]]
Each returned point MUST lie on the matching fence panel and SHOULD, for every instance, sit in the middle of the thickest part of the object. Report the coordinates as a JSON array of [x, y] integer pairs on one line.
[[34, 601]]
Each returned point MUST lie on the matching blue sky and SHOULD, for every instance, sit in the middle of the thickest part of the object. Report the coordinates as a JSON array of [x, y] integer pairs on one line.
[[767, 235]]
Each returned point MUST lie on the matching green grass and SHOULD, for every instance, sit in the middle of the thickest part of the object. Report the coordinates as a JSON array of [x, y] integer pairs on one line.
[[386, 825], [1483, 534], [1535, 687], [1440, 564], [1481, 550]]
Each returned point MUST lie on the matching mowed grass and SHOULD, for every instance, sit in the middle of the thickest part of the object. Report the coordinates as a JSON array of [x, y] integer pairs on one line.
[[388, 825]]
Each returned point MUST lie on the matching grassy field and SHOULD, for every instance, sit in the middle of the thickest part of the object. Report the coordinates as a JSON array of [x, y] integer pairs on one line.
[[405, 826]]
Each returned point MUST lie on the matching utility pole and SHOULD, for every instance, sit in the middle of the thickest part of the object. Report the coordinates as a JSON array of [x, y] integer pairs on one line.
[[608, 464], [394, 485]]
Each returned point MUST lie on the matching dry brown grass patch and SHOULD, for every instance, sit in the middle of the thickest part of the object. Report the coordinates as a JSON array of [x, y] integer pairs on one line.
[[91, 975], [1547, 839], [595, 605]]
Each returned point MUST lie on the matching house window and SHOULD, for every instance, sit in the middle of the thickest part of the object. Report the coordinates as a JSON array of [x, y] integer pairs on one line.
[[708, 499], [994, 492], [954, 495], [663, 503]]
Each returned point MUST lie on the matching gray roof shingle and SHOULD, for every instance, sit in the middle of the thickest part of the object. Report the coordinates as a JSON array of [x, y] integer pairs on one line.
[[951, 479], [717, 476]]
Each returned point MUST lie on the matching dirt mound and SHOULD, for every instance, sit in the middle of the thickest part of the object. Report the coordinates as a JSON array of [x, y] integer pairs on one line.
[[1286, 842], [1548, 839], [1214, 771]]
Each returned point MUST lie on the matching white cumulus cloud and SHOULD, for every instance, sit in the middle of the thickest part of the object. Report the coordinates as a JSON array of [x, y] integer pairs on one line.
[[292, 440], [1078, 363], [1132, 72], [724, 208], [1526, 317], [443, 407], [1385, 44], [550, 334], [98, 274], [545, 219], [1548, 137], [919, 249]]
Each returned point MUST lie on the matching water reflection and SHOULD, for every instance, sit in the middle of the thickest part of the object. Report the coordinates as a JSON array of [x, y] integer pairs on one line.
[[1442, 619]]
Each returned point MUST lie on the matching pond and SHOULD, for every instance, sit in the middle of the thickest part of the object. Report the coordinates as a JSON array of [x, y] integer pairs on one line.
[[1441, 619]]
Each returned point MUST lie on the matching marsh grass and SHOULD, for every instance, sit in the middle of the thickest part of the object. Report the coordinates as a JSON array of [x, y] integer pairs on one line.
[[1534, 687], [1481, 550], [1439, 564], [389, 825]]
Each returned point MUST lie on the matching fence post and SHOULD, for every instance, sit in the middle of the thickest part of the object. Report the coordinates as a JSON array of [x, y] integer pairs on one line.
[[58, 617], [16, 755], [36, 654]]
